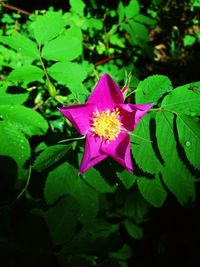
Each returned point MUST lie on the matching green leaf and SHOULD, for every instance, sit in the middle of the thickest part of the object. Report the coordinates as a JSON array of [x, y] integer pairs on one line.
[[189, 137], [68, 73], [135, 207], [50, 156], [184, 99], [144, 19], [133, 229], [101, 228], [61, 220], [152, 89], [21, 44], [121, 11], [93, 23], [25, 119], [138, 32], [132, 9], [64, 47], [95, 180], [64, 180], [12, 99], [189, 40], [123, 253], [77, 6], [153, 191], [127, 178], [48, 26], [142, 150], [27, 74], [14, 145], [175, 175]]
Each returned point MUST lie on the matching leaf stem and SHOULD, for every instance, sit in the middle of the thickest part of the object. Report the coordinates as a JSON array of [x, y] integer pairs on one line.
[[130, 133], [26, 185], [52, 90], [72, 139], [163, 109]]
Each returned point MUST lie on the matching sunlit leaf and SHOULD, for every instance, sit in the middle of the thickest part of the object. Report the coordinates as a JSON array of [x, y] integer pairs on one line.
[[15, 146], [189, 40], [21, 44], [121, 11], [184, 99], [175, 175], [142, 149], [138, 33], [189, 137], [48, 26], [68, 73], [77, 6], [132, 9], [151, 89], [27, 74], [25, 119], [64, 47], [12, 99]]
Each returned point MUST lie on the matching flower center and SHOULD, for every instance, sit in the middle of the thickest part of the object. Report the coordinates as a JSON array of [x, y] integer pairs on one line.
[[106, 124]]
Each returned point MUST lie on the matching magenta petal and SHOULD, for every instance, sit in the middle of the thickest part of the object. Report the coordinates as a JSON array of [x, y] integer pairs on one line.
[[131, 114], [92, 154], [106, 93], [119, 150], [79, 115]]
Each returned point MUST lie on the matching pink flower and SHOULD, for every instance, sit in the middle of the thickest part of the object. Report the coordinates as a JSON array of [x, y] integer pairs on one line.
[[106, 122]]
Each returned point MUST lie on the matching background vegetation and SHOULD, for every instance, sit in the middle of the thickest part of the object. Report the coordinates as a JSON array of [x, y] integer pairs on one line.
[[52, 54]]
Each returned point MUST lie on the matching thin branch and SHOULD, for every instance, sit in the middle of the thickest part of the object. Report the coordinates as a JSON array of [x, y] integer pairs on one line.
[[18, 10], [104, 61], [38, 105]]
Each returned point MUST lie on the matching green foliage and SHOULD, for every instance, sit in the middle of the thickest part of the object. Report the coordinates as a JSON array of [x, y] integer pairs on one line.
[[21, 44], [184, 99], [64, 180], [132, 9], [25, 119], [175, 174], [152, 89], [67, 211], [12, 99], [189, 137], [60, 72], [18, 150], [153, 191], [77, 6], [50, 156], [134, 230], [127, 179], [64, 47], [189, 40], [54, 58], [26, 74], [96, 181], [48, 26], [148, 161]]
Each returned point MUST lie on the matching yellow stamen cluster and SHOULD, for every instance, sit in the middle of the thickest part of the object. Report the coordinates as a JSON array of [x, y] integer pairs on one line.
[[106, 124]]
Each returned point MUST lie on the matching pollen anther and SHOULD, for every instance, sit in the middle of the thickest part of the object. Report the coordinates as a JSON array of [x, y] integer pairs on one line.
[[106, 124]]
